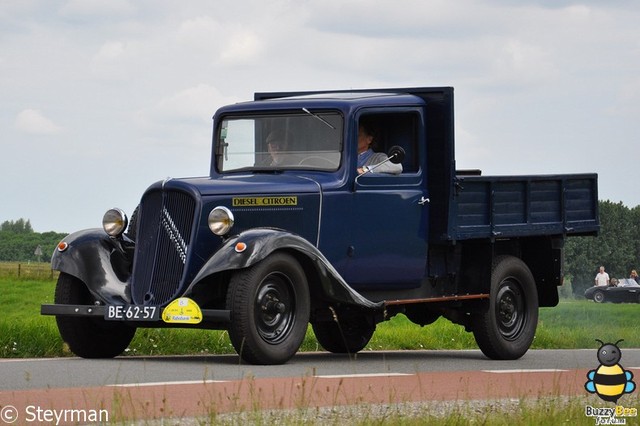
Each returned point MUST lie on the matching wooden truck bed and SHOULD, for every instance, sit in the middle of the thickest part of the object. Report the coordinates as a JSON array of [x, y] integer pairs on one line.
[[520, 206]]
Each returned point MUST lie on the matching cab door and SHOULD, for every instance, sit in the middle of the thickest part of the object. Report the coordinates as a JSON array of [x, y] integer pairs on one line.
[[387, 246], [388, 240]]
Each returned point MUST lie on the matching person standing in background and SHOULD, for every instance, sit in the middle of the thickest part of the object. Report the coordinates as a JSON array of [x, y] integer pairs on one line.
[[602, 279]]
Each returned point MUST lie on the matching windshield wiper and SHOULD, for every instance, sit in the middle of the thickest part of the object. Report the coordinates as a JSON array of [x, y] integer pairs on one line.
[[319, 118]]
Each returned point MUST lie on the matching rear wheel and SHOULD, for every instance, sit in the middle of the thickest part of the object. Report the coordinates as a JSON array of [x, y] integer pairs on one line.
[[88, 337], [269, 304], [507, 328], [344, 335]]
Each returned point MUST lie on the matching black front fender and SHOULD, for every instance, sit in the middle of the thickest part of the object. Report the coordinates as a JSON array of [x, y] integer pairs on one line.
[[254, 245], [98, 261]]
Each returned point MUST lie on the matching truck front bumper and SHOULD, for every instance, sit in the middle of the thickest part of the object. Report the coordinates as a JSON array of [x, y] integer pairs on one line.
[[209, 315]]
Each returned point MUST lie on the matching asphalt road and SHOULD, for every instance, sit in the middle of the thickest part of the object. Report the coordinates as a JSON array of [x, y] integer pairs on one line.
[[181, 388], [26, 374]]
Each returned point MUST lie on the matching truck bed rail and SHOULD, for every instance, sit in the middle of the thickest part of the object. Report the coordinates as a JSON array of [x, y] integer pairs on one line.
[[520, 206]]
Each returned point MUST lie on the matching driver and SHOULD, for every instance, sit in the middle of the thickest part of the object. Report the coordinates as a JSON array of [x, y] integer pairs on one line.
[[368, 158], [278, 143]]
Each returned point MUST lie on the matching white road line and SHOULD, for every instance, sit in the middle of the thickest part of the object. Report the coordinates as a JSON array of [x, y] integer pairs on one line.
[[185, 382], [33, 359], [341, 376], [541, 370]]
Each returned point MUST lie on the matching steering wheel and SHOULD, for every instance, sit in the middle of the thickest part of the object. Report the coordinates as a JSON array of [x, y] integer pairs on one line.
[[318, 161]]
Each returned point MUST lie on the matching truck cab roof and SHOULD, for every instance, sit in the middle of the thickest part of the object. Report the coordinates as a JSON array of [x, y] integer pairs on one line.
[[344, 101]]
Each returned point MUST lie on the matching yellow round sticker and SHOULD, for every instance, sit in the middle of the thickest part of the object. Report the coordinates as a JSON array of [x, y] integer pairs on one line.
[[182, 310]]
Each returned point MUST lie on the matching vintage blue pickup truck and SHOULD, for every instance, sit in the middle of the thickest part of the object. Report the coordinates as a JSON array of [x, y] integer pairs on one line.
[[289, 230]]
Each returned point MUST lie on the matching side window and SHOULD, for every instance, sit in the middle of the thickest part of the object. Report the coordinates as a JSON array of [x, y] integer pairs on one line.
[[389, 129]]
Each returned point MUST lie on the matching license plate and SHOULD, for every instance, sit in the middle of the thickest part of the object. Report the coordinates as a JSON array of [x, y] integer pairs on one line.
[[131, 313]]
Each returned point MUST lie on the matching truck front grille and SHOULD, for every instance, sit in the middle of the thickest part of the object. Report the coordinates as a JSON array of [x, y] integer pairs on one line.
[[165, 221]]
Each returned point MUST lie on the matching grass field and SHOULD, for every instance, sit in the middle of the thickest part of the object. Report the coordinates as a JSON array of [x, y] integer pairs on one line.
[[572, 324], [27, 271]]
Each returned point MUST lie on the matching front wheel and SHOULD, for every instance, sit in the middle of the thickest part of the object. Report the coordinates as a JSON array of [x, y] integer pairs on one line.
[[598, 297], [269, 304], [507, 328], [88, 337]]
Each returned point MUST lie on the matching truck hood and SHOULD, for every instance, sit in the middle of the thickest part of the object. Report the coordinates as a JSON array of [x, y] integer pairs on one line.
[[284, 201], [251, 184]]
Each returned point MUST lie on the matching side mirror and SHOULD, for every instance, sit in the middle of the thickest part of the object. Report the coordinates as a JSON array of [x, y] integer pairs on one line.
[[396, 154]]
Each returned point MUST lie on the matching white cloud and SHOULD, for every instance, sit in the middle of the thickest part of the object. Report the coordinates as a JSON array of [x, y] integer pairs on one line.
[[198, 31], [242, 47], [99, 8], [111, 50], [414, 18], [111, 61], [541, 86], [522, 63], [194, 103], [34, 122]]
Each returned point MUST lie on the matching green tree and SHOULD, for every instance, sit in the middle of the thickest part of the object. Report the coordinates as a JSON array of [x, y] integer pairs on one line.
[[580, 259], [617, 242], [19, 243], [635, 235], [19, 226], [616, 247]]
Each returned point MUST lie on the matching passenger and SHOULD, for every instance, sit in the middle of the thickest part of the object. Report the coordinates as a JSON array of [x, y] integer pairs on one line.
[[368, 158], [602, 279], [634, 276]]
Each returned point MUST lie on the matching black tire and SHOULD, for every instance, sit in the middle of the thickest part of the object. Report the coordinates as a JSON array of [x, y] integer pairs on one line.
[[88, 337], [269, 304], [598, 297], [344, 336], [507, 328]]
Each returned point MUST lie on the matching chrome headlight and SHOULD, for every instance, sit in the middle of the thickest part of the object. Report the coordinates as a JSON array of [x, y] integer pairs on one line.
[[114, 222], [220, 220]]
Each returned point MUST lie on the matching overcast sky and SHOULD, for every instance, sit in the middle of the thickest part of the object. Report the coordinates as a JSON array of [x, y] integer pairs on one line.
[[101, 98]]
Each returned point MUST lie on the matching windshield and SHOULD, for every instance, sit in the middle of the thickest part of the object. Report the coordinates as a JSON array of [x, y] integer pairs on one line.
[[304, 140]]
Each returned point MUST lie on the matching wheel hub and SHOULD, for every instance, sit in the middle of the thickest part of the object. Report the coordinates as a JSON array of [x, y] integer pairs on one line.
[[273, 306], [507, 309], [274, 309], [510, 310]]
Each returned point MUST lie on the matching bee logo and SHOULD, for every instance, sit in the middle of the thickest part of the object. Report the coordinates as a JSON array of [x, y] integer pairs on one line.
[[609, 381]]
